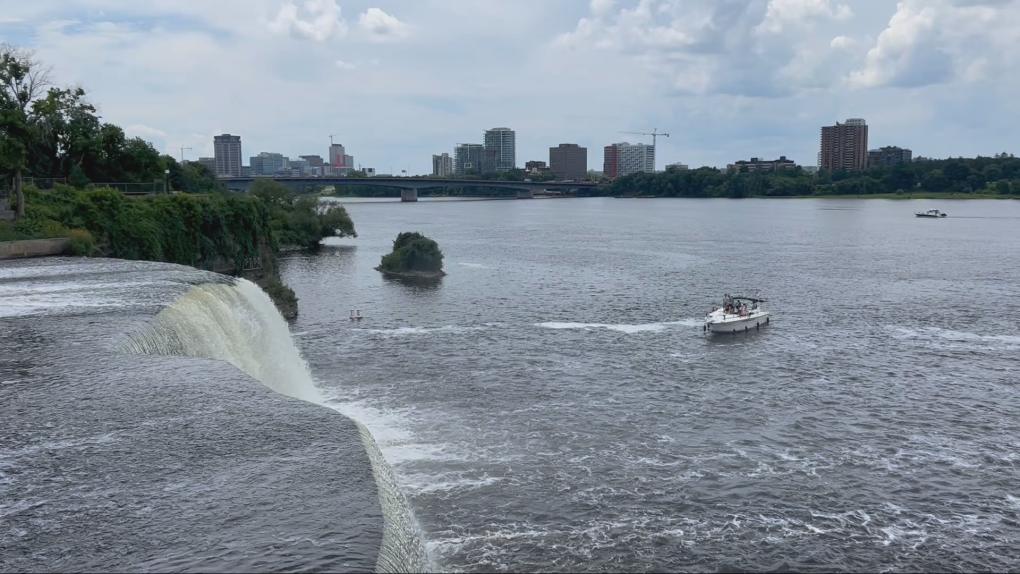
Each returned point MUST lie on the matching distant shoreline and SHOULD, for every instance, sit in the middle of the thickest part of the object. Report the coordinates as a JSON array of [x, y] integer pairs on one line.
[[890, 196], [916, 196]]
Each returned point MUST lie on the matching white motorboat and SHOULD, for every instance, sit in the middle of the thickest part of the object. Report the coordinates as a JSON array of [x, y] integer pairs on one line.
[[933, 213], [737, 315]]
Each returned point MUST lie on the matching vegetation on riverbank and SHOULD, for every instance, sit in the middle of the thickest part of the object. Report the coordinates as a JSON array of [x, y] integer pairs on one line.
[[997, 176], [413, 255], [54, 136]]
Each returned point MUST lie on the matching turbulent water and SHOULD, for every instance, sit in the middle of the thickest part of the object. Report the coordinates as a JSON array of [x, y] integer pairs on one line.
[[138, 434], [552, 404]]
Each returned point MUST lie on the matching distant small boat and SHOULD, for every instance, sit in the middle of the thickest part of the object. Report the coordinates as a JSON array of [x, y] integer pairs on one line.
[[934, 213]]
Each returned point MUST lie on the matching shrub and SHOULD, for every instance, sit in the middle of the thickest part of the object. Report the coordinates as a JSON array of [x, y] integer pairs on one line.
[[7, 232], [82, 244]]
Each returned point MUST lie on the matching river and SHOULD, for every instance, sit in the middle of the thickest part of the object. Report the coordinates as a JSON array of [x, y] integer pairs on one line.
[[553, 405]]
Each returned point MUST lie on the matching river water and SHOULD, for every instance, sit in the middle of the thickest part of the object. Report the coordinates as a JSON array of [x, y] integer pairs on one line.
[[553, 405]]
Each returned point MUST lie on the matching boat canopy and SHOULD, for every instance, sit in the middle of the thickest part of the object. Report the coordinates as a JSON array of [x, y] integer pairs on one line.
[[751, 299]]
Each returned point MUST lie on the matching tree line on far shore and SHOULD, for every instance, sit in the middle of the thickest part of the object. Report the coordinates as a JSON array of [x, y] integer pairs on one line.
[[999, 175]]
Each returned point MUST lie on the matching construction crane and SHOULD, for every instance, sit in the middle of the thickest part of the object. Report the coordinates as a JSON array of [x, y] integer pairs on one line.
[[182, 152], [655, 135]]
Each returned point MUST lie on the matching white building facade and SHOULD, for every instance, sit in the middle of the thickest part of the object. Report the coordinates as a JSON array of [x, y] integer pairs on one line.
[[500, 150], [634, 158]]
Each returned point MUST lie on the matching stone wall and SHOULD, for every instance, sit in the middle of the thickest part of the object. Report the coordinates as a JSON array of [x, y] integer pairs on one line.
[[34, 248]]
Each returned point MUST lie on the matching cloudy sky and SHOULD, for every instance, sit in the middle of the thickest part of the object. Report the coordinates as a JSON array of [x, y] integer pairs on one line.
[[399, 80]]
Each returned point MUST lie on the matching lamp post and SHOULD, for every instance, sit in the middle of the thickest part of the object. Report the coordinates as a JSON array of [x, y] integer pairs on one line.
[[166, 181]]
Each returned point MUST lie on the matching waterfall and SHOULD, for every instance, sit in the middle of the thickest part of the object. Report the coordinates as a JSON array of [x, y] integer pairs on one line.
[[239, 324]]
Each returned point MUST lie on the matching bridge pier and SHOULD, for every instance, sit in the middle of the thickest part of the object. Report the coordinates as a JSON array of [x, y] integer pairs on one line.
[[408, 195], [525, 194]]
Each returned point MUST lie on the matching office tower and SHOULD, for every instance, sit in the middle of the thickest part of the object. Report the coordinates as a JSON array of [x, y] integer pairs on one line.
[[227, 153]]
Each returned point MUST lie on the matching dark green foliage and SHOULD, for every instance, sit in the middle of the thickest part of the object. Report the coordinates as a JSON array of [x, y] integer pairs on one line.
[[413, 252], [303, 220], [954, 175], [81, 242], [406, 238], [185, 229], [281, 293]]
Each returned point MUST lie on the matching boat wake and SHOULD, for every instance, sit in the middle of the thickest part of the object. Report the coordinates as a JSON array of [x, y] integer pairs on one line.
[[620, 328]]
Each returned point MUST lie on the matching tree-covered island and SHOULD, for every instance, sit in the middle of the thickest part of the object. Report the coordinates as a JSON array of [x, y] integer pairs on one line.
[[413, 255]]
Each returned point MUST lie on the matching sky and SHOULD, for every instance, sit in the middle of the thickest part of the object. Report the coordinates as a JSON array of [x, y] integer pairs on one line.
[[396, 81]]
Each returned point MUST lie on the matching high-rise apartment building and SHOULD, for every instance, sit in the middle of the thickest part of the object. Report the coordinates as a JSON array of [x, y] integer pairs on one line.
[[227, 153], [500, 150], [609, 161], [467, 159], [889, 156], [442, 165], [845, 146], [337, 157], [313, 160], [568, 161], [629, 158]]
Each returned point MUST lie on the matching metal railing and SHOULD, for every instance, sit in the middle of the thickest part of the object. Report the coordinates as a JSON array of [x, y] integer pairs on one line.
[[44, 183]]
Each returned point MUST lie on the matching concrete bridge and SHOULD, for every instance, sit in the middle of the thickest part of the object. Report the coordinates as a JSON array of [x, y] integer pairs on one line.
[[409, 186]]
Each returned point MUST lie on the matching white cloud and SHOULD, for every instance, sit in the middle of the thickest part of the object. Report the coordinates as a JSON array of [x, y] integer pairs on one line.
[[381, 26], [599, 7], [145, 132], [782, 13], [934, 41], [345, 65], [842, 43], [8, 20], [324, 20]]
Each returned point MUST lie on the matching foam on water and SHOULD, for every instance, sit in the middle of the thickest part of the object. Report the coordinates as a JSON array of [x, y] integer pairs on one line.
[[410, 331], [621, 328]]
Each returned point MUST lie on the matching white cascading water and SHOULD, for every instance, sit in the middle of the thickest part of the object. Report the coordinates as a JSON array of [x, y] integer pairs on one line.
[[240, 324], [234, 323]]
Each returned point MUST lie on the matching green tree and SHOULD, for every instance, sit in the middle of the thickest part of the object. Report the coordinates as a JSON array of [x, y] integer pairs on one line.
[[1002, 186], [413, 252], [301, 221], [955, 171], [935, 181], [22, 81], [992, 172]]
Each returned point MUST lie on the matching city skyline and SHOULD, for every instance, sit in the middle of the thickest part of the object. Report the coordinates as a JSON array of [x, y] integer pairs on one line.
[[754, 78]]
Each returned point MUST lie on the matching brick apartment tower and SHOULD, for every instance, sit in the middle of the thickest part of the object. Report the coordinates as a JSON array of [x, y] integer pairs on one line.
[[845, 146], [609, 162]]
